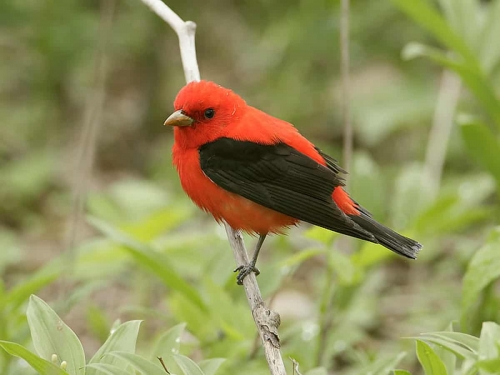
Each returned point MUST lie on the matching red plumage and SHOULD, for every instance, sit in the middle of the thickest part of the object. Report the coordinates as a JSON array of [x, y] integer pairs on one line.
[[259, 174]]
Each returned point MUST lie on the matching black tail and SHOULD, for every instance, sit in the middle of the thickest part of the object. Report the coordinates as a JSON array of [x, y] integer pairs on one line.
[[387, 237]]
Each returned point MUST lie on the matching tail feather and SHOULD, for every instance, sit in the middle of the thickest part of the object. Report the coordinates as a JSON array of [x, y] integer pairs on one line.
[[387, 237]]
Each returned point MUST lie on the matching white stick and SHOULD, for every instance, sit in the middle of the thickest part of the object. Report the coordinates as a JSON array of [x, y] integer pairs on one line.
[[267, 321], [185, 31]]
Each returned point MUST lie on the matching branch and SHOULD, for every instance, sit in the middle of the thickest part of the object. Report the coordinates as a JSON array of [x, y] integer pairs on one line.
[[185, 31], [267, 321]]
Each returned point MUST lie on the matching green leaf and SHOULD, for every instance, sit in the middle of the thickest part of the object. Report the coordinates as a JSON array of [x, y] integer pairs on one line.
[[157, 262], [473, 78], [187, 365], [40, 365], [429, 18], [462, 17], [20, 293], [469, 341], [401, 372], [489, 347], [157, 223], [210, 366], [224, 311], [51, 335], [489, 341], [489, 365], [483, 269], [382, 366], [483, 146], [449, 358], [429, 360], [169, 342], [123, 339], [488, 46], [103, 368], [140, 364], [451, 346]]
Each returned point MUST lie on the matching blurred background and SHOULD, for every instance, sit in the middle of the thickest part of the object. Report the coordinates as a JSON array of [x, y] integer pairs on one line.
[[93, 219]]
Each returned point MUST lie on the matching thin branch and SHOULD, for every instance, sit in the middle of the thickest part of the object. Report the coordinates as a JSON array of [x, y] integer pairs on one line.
[[185, 31], [346, 92], [447, 101], [267, 321]]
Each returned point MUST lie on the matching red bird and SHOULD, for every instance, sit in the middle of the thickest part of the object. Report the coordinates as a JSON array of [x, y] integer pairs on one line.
[[260, 175]]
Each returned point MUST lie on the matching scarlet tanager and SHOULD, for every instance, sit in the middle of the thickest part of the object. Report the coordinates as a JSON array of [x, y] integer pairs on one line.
[[260, 175]]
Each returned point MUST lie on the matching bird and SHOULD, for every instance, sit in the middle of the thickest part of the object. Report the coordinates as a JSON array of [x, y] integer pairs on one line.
[[260, 175]]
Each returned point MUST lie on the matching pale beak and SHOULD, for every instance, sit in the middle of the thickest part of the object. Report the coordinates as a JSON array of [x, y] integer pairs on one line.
[[178, 118]]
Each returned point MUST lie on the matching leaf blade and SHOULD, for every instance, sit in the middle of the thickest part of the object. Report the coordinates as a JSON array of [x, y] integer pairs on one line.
[[51, 335], [37, 363]]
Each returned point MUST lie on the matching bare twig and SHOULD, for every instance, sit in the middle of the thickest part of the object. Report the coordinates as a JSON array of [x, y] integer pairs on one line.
[[295, 367], [447, 101], [163, 365], [185, 31], [346, 93], [267, 321]]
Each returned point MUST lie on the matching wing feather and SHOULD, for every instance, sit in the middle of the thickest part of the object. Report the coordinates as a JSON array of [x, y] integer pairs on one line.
[[280, 178]]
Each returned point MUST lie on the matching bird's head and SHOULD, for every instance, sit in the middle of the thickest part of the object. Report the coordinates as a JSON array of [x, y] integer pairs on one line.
[[203, 113]]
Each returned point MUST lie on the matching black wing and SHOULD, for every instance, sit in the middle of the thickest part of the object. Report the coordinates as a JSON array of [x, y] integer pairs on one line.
[[280, 178]]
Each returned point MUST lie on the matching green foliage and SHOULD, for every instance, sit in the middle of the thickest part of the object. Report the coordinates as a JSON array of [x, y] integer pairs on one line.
[[483, 146], [465, 27], [51, 336], [430, 361], [146, 254], [59, 351], [482, 270], [461, 28], [476, 355]]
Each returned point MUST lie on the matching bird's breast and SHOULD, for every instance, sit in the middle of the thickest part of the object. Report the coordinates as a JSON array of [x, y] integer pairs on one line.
[[238, 212]]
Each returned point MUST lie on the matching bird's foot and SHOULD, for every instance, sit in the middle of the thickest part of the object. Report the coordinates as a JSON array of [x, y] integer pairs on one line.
[[244, 271]]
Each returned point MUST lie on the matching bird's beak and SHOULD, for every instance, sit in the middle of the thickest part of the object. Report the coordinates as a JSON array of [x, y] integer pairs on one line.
[[178, 118]]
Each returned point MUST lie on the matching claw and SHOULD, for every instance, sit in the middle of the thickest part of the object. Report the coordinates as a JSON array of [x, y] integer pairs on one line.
[[244, 271]]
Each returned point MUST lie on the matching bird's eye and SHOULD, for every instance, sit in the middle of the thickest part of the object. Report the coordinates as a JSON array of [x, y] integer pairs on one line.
[[209, 113]]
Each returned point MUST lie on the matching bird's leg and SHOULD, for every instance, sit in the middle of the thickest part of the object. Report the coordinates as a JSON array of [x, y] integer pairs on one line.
[[245, 270]]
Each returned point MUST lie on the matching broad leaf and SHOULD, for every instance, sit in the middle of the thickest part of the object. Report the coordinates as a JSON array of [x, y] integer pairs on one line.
[[140, 364], [187, 365], [103, 368], [210, 366], [429, 360], [41, 365], [123, 339], [51, 335], [169, 342], [483, 269], [453, 347]]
